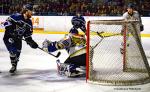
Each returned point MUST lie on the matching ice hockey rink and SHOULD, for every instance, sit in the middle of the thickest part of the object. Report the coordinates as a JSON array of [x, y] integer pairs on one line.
[[37, 71]]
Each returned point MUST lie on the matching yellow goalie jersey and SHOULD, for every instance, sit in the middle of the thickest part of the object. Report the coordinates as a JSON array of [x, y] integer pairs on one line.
[[72, 43]]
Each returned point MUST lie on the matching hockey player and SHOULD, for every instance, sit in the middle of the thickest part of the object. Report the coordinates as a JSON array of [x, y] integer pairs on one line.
[[74, 43], [78, 21], [17, 26], [132, 15]]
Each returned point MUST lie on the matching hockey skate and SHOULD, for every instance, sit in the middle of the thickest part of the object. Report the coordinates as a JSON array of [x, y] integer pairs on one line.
[[14, 67], [77, 72], [12, 70], [60, 67], [69, 70]]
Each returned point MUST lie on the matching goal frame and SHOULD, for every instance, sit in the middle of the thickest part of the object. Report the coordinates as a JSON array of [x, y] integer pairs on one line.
[[124, 46]]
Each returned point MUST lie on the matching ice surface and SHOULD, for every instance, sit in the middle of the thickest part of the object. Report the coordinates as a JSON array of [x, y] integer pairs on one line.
[[37, 72]]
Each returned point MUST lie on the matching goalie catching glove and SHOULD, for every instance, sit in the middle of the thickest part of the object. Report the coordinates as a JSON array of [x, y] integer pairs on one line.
[[49, 46]]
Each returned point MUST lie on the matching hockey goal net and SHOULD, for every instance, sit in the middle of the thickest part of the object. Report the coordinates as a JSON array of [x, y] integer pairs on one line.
[[115, 55]]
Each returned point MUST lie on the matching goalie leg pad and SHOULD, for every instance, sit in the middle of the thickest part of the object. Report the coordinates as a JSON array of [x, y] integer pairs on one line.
[[69, 70]]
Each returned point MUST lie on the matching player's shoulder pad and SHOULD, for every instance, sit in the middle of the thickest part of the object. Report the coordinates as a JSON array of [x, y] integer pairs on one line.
[[16, 16], [73, 18], [125, 14], [135, 12], [76, 18], [82, 17]]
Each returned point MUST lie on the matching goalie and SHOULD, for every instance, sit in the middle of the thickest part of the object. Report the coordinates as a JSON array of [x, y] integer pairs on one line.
[[74, 43]]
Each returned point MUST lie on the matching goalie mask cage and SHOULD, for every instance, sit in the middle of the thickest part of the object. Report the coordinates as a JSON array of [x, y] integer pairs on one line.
[[107, 63]]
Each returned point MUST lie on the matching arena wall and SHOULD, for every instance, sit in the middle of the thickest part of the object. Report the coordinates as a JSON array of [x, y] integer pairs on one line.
[[62, 24]]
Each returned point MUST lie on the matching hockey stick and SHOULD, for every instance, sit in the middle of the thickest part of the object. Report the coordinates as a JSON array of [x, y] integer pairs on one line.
[[100, 34], [57, 55]]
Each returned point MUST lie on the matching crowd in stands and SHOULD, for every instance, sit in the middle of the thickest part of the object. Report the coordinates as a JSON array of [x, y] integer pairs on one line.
[[70, 7]]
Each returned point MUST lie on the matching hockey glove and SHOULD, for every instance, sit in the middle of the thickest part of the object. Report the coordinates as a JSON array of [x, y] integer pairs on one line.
[[141, 28], [31, 42]]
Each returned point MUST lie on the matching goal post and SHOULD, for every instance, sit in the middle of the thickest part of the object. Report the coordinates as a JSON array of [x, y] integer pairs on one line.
[[115, 55]]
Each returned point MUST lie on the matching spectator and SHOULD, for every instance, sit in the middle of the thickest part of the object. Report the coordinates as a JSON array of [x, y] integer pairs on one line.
[[87, 7]]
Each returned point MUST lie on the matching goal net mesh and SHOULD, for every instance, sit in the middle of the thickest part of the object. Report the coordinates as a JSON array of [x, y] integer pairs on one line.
[[115, 55]]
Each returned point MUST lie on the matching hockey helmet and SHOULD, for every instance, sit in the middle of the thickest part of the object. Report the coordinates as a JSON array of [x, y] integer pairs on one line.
[[131, 5], [28, 7], [78, 14]]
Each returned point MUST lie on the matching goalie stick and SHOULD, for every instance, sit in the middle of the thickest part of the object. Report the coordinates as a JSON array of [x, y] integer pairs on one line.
[[100, 34], [57, 55]]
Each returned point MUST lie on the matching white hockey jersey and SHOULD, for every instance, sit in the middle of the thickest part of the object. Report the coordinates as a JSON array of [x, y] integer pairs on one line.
[[134, 16]]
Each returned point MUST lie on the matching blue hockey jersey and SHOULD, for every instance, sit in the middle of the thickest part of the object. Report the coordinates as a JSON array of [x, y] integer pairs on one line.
[[79, 22], [17, 25]]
